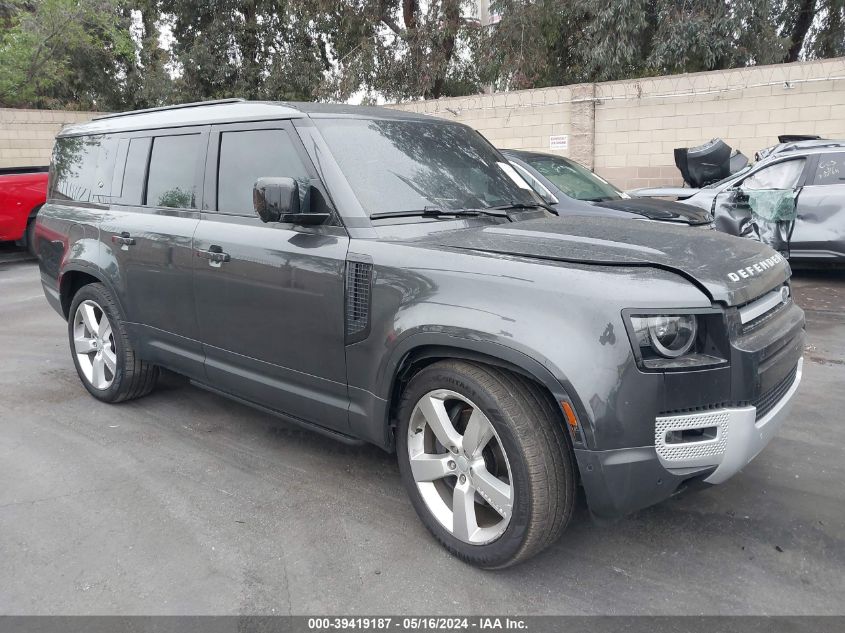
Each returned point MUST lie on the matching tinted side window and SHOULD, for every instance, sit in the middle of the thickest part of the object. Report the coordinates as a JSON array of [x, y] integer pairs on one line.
[[830, 170], [171, 179], [249, 155], [101, 191], [73, 171], [135, 170]]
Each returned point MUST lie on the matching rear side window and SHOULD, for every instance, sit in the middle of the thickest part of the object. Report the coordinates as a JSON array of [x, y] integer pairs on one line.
[[172, 174], [135, 168], [830, 170], [246, 156], [74, 168]]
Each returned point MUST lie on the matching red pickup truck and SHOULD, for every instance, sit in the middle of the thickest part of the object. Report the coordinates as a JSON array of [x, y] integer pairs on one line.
[[22, 192]]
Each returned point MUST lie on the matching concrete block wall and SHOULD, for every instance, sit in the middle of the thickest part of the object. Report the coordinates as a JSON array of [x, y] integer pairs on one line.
[[627, 130], [26, 136], [639, 123]]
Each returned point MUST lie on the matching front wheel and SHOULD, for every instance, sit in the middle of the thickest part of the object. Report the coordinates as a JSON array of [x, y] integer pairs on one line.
[[486, 461], [102, 353]]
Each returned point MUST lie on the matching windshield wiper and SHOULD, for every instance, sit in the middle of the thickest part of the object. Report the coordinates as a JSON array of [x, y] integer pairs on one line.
[[516, 206], [435, 212]]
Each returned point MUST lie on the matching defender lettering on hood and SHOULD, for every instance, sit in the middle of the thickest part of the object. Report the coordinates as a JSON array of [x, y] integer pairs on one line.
[[756, 269]]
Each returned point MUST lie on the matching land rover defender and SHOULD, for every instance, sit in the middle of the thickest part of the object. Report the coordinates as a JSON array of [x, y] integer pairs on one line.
[[385, 277]]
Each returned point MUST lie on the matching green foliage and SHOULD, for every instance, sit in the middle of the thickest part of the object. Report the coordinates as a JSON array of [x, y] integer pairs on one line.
[[121, 54], [64, 53]]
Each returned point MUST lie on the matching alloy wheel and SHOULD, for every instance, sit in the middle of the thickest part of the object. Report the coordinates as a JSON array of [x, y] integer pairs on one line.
[[93, 342], [460, 467]]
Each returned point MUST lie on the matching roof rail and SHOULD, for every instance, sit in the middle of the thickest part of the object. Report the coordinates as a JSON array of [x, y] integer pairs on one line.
[[809, 144], [178, 106]]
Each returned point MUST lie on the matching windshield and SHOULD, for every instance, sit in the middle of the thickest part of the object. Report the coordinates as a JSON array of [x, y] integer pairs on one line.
[[395, 165], [573, 179]]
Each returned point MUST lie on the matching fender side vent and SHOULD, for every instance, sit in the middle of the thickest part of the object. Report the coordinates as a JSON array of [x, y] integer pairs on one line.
[[358, 284]]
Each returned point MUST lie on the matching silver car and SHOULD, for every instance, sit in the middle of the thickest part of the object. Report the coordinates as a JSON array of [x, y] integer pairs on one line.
[[793, 199]]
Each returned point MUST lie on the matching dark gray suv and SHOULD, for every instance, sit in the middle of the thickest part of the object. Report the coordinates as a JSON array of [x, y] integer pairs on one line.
[[389, 278]]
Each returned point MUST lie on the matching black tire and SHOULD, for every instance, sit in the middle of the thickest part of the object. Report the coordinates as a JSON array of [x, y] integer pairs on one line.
[[30, 236], [132, 377], [537, 447]]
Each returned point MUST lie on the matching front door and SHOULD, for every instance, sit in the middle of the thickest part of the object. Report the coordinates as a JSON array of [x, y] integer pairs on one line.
[[763, 205], [270, 297]]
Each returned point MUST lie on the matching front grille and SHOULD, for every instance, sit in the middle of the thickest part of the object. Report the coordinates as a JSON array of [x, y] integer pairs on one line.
[[764, 403], [767, 401], [754, 313]]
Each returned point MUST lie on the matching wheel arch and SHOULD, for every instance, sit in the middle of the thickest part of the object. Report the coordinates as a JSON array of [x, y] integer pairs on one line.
[[422, 350], [77, 276]]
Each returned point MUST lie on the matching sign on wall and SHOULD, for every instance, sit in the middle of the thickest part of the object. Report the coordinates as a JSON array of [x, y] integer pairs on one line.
[[559, 142]]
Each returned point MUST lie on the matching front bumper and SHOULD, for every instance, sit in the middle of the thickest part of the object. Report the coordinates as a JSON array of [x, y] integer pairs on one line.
[[621, 481], [734, 436]]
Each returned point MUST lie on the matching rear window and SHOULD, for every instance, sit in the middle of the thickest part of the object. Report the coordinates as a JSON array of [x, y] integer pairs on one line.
[[172, 175], [74, 167]]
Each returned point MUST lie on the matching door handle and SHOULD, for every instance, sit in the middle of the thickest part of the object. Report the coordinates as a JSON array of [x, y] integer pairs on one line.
[[214, 255], [124, 239]]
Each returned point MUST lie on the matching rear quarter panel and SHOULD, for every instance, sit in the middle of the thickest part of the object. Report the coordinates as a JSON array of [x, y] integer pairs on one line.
[[67, 239]]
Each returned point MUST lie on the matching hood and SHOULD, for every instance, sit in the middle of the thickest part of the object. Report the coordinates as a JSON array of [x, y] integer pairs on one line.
[[664, 192], [729, 269], [662, 210]]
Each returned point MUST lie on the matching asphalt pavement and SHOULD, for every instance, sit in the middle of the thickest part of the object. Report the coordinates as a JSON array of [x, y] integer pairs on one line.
[[186, 503]]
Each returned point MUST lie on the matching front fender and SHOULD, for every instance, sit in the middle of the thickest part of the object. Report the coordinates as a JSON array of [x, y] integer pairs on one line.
[[559, 323]]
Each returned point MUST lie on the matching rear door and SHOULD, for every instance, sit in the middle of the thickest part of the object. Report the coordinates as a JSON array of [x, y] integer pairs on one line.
[[819, 232], [271, 312], [148, 233]]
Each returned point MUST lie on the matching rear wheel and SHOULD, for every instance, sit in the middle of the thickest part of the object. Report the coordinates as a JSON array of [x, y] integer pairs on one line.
[[486, 462], [104, 359], [30, 236]]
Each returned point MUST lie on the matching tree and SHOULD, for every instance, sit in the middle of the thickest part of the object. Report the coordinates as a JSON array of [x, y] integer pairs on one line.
[[148, 79], [65, 53], [122, 54], [827, 35]]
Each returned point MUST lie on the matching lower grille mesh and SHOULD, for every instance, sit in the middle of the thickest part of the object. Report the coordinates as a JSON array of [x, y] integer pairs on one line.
[[768, 400]]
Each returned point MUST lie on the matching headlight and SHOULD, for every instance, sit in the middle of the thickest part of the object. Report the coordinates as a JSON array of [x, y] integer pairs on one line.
[[678, 342], [668, 335]]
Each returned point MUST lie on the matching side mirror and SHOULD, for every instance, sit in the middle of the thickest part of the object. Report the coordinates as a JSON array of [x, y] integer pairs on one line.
[[277, 200]]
